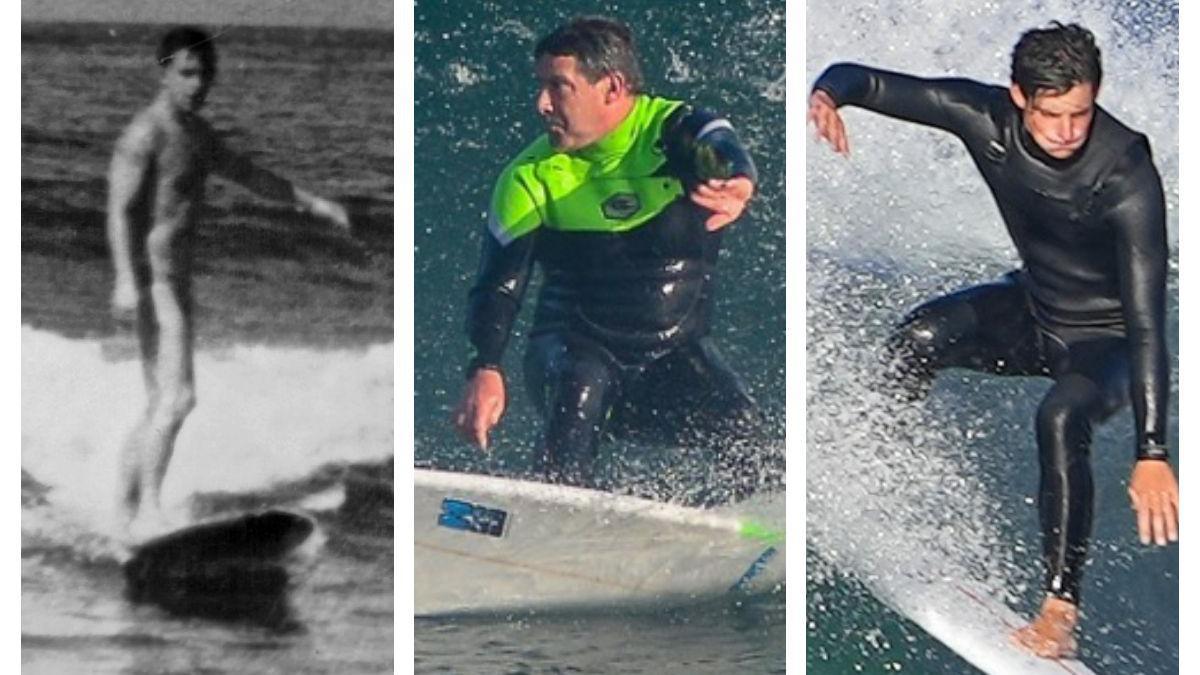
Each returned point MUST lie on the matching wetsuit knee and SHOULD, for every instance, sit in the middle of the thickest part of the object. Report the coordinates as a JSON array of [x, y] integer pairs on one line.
[[1065, 419], [910, 357], [577, 388]]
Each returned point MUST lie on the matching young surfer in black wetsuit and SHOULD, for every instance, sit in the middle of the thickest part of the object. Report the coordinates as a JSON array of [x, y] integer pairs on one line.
[[1083, 203], [622, 204]]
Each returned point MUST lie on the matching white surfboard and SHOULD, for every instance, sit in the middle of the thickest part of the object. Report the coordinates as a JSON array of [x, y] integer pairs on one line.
[[968, 619], [488, 544]]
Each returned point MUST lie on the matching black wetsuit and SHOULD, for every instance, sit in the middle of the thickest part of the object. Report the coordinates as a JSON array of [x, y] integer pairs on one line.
[[620, 337], [1087, 307]]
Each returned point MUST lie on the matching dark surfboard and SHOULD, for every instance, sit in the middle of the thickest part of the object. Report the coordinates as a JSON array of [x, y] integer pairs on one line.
[[231, 568]]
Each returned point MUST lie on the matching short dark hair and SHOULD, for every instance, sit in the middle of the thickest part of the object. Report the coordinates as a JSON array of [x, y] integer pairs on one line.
[[1055, 59], [192, 39], [600, 45]]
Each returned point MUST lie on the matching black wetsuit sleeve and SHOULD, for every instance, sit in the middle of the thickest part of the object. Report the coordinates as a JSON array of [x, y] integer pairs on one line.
[[703, 145], [495, 299], [954, 104], [1138, 218]]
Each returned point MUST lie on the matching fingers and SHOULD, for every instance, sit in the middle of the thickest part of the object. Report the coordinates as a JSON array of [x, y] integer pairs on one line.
[[1143, 521], [1157, 517], [1158, 521], [473, 422], [829, 125], [480, 434], [725, 198], [1171, 513]]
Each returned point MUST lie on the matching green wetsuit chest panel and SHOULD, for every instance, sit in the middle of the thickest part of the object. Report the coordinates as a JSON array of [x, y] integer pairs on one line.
[[614, 185]]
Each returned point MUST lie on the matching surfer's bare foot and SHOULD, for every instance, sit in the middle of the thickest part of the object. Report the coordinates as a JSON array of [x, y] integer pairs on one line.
[[148, 524], [1051, 634]]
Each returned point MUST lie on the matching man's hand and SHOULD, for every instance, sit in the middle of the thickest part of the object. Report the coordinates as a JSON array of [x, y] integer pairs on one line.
[[725, 198], [824, 114], [124, 302], [1155, 496], [481, 406], [330, 211]]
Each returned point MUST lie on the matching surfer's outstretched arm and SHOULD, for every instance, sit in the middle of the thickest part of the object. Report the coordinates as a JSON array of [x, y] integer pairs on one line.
[[242, 170], [957, 105], [127, 176]]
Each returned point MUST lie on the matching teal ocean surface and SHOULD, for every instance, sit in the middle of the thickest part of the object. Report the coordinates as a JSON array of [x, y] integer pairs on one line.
[[474, 110], [949, 487]]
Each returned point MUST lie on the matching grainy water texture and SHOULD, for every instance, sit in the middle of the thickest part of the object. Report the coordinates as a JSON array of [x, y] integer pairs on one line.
[[294, 361], [474, 110], [948, 488]]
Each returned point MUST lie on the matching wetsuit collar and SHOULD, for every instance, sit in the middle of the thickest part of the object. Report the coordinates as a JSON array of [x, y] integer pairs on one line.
[[616, 143]]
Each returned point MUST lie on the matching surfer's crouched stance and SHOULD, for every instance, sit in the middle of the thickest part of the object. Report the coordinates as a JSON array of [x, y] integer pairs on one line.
[[1083, 203], [155, 188], [622, 204]]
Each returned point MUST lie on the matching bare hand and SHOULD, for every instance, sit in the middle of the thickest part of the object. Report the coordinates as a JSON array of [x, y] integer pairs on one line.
[[725, 198], [481, 407], [330, 211], [1155, 496], [124, 302], [823, 112]]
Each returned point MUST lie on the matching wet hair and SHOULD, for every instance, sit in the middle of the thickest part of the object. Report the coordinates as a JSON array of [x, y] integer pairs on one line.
[[600, 45], [1055, 59], [192, 39]]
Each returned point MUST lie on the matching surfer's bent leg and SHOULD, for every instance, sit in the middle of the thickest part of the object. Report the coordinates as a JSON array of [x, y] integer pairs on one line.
[[1095, 386], [573, 384], [987, 328], [173, 395]]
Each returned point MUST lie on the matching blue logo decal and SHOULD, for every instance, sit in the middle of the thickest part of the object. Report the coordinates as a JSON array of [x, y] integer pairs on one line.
[[462, 515]]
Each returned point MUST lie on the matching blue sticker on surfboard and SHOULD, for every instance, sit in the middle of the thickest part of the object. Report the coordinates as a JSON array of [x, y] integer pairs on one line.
[[458, 514]]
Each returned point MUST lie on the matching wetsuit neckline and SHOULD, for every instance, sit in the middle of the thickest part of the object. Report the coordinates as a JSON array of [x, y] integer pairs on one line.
[[616, 142]]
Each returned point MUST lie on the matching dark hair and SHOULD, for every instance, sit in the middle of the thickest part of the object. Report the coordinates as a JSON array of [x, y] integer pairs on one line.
[[1055, 58], [192, 39], [600, 45]]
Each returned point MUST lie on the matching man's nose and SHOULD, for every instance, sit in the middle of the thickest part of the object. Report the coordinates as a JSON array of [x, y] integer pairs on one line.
[[1070, 129], [542, 103]]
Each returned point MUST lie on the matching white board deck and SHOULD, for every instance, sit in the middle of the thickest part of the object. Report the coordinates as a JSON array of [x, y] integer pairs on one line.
[[571, 547], [968, 619]]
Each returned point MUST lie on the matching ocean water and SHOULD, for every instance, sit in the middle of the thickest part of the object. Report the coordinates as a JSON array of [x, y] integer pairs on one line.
[[474, 91], [294, 366], [950, 486]]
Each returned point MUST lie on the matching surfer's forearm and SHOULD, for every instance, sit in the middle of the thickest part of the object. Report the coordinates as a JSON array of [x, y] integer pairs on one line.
[[706, 144], [495, 299], [120, 247], [947, 103], [1139, 222]]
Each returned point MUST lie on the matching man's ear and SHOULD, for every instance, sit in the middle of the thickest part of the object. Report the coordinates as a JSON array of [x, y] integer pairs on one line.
[[616, 86], [1018, 97]]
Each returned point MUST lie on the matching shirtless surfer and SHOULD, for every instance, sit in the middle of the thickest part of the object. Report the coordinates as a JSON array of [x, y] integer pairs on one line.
[[156, 185], [1083, 203]]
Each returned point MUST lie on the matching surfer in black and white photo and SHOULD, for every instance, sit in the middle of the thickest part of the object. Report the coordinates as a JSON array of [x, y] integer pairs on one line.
[[623, 204], [156, 187], [1084, 206]]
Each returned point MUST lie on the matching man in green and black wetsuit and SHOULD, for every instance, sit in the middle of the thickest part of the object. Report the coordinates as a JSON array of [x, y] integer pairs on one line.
[[622, 204], [1084, 206]]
